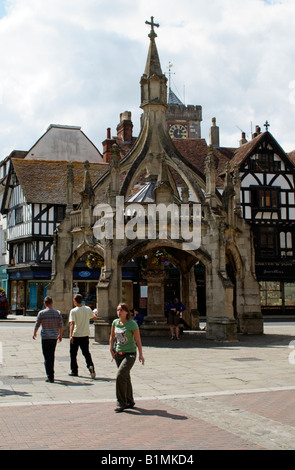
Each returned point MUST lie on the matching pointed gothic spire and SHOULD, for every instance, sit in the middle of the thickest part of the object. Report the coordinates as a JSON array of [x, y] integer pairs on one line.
[[153, 66], [153, 81], [87, 185]]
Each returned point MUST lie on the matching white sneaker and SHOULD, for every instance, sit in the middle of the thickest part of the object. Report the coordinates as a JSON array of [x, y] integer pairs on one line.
[[92, 372]]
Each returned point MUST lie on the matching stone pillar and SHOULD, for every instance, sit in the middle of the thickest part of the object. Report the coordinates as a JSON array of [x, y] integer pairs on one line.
[[189, 299], [108, 292], [221, 324], [155, 280], [155, 323], [250, 317]]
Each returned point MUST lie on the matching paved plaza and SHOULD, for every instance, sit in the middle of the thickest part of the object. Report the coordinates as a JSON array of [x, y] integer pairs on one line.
[[192, 394]]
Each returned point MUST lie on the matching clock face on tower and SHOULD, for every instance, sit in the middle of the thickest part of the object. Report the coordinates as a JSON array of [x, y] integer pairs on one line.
[[178, 131]]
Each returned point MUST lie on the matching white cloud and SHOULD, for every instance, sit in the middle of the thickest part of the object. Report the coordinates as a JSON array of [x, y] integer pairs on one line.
[[80, 62]]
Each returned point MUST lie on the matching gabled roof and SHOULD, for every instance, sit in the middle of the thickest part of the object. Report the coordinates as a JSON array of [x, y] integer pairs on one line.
[[64, 143], [245, 150], [44, 181], [248, 149]]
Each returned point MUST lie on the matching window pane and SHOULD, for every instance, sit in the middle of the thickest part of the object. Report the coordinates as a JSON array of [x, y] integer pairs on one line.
[[289, 293]]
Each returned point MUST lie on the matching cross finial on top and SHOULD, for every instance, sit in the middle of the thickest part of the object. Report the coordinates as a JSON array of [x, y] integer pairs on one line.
[[152, 24], [266, 125]]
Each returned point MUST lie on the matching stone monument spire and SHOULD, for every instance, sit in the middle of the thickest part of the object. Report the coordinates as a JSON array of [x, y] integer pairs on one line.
[[153, 81]]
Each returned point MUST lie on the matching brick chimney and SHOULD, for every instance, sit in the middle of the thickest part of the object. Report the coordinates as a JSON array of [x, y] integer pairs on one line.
[[257, 132], [124, 129], [107, 146], [243, 139]]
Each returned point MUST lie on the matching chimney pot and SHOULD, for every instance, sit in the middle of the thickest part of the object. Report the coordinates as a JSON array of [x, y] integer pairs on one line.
[[125, 127]]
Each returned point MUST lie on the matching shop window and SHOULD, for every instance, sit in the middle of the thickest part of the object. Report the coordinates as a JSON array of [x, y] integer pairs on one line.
[[88, 291], [270, 293], [289, 294], [36, 293], [17, 296]]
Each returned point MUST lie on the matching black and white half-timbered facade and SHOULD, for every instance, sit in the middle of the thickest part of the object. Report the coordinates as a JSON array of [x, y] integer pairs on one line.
[[267, 203], [34, 201], [30, 228]]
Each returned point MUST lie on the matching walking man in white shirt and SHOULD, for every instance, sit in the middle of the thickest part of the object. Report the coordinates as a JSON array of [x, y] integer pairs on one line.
[[79, 319]]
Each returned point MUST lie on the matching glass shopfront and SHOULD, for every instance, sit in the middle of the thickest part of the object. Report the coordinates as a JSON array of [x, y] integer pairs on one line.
[[88, 291], [36, 292], [277, 297], [17, 297]]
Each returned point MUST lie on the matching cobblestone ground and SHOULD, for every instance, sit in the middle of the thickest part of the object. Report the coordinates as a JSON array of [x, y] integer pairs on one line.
[[191, 395]]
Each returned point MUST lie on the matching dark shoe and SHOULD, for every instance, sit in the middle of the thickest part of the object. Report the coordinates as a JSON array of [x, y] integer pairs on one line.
[[49, 380], [119, 409], [131, 405], [73, 374]]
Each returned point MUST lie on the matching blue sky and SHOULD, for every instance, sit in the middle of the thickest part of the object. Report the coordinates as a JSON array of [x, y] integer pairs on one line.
[[82, 65], [2, 8]]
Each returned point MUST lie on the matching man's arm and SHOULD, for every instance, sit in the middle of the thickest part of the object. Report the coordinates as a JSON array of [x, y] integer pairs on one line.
[[37, 324], [59, 339], [72, 324]]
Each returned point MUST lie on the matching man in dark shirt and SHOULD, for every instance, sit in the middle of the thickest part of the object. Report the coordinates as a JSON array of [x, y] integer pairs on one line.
[[52, 326]]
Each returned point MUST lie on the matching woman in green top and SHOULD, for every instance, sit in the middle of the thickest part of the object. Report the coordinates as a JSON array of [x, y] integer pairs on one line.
[[127, 335]]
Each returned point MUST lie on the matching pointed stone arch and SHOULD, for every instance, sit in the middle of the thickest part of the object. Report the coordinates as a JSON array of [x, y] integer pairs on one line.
[[82, 249]]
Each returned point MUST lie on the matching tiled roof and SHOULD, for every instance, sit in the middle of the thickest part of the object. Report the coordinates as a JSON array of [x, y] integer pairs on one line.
[[194, 151], [45, 181], [246, 149]]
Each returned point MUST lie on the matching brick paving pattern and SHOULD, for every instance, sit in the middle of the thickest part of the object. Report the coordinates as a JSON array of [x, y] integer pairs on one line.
[[151, 425], [194, 394]]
